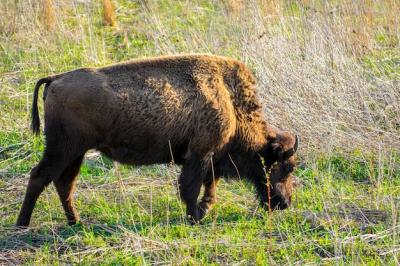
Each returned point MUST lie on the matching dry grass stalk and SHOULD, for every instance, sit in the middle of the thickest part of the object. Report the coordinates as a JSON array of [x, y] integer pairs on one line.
[[235, 7], [271, 8], [109, 13], [48, 15]]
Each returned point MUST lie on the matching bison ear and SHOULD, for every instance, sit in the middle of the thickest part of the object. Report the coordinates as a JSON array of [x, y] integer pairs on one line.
[[277, 148], [291, 151], [284, 145]]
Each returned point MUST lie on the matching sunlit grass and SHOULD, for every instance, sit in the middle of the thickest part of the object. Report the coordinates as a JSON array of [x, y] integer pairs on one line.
[[328, 71]]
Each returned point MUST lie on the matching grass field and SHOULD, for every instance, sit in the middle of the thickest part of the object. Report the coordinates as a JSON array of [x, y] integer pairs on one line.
[[327, 70]]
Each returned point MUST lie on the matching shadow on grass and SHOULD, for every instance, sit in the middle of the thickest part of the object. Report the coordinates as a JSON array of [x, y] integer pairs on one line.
[[61, 236], [58, 235], [64, 243]]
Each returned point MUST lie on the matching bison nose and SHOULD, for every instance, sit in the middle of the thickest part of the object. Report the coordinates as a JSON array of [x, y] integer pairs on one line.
[[280, 204]]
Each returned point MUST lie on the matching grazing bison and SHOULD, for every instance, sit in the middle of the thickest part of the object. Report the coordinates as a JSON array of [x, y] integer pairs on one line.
[[199, 110]]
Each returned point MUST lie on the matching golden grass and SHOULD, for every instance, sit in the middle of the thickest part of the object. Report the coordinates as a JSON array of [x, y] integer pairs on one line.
[[48, 16], [109, 13], [235, 7]]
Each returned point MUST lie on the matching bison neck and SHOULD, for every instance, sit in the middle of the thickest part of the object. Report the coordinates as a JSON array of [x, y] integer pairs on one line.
[[239, 164]]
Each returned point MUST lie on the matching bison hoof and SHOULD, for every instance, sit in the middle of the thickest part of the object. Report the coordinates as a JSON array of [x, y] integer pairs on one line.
[[200, 212], [193, 220], [202, 209], [70, 223]]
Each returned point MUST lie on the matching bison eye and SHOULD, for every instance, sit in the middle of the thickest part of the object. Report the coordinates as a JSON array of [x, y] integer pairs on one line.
[[290, 168]]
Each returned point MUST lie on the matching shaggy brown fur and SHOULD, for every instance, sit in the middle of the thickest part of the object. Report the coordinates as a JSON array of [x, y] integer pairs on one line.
[[204, 107]]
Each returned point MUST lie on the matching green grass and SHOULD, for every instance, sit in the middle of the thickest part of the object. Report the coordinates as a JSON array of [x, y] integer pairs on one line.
[[134, 216], [345, 212]]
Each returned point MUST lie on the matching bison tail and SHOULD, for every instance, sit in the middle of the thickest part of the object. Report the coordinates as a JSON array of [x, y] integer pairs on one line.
[[35, 122]]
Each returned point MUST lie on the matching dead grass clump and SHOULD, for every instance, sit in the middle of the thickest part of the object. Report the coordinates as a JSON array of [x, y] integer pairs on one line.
[[235, 7], [48, 15], [8, 13], [272, 9], [109, 13]]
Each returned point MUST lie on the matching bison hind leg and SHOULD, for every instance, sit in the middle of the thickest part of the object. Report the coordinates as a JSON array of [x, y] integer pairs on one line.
[[50, 167], [39, 179], [65, 186], [58, 156]]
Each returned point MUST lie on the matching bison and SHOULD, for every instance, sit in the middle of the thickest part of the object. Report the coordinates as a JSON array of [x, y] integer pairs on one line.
[[201, 111]]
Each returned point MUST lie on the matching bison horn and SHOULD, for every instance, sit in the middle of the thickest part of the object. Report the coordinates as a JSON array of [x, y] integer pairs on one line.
[[296, 144]]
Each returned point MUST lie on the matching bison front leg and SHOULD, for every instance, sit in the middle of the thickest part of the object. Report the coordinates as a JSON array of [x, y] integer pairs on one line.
[[209, 197], [260, 185], [194, 171]]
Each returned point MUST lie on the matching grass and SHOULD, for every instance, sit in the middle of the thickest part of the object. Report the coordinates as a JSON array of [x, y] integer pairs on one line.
[[328, 71]]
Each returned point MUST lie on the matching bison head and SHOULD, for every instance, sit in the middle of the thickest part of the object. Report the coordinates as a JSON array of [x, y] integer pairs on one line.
[[280, 162], [283, 183]]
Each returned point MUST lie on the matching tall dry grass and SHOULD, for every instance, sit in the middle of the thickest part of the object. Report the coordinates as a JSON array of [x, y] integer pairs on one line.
[[109, 13], [309, 56], [48, 15]]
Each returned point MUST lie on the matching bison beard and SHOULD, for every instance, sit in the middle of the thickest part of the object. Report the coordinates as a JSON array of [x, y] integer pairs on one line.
[[201, 108]]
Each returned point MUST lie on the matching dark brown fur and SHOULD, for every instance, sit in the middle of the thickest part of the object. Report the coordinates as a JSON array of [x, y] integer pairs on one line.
[[204, 107]]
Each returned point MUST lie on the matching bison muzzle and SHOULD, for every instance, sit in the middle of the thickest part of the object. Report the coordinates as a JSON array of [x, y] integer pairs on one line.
[[201, 111]]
